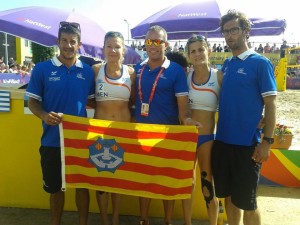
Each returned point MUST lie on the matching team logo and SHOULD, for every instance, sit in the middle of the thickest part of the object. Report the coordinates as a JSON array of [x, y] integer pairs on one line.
[[106, 155]]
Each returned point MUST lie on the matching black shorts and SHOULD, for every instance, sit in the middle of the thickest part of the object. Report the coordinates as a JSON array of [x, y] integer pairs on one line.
[[51, 168], [235, 174]]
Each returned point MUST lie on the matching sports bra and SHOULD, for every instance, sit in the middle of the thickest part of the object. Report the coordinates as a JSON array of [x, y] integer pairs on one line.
[[113, 89], [205, 96]]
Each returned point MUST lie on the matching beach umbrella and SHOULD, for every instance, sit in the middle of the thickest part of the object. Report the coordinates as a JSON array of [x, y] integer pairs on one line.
[[202, 17], [41, 24]]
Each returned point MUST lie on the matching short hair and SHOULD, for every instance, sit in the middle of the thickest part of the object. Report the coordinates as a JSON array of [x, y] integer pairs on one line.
[[69, 28], [244, 22], [177, 57], [159, 29]]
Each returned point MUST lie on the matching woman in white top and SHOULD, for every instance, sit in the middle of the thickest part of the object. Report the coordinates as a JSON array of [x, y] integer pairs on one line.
[[114, 82], [204, 86]]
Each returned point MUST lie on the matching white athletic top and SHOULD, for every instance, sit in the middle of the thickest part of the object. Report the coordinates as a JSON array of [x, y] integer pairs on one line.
[[113, 89], [205, 96]]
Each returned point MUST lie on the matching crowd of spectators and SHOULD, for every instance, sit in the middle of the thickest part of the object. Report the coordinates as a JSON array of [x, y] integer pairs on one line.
[[13, 67]]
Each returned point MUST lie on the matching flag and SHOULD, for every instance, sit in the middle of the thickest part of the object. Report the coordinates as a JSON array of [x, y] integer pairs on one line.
[[4, 101], [148, 160]]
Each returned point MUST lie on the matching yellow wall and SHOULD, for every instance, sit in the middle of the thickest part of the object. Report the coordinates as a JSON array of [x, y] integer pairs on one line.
[[20, 172]]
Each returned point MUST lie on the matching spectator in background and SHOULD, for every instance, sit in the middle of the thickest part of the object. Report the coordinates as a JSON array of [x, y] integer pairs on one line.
[[273, 48], [219, 48], [181, 49], [260, 49], [282, 49], [13, 68], [214, 48], [133, 45], [267, 48], [11, 61], [140, 47]]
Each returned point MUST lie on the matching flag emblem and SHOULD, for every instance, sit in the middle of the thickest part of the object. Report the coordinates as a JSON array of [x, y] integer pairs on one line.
[[106, 155]]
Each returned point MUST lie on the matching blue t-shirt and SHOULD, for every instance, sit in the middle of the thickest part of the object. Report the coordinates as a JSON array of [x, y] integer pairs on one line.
[[61, 90], [172, 83], [247, 79]]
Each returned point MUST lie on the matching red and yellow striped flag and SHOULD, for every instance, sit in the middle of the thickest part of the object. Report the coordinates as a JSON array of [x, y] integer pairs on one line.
[[147, 160]]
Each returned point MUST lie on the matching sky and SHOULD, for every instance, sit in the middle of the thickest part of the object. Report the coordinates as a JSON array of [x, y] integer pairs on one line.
[[110, 14]]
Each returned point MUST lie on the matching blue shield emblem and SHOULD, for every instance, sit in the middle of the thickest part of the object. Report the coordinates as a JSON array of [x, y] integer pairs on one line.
[[106, 155]]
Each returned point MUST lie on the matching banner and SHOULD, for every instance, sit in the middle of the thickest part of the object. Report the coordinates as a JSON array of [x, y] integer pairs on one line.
[[4, 101], [154, 161], [13, 78]]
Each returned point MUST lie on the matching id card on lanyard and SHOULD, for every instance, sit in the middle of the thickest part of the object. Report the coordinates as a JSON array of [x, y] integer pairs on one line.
[[145, 107]]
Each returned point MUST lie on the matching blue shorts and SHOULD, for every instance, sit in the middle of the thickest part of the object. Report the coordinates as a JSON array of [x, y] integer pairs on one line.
[[205, 138]]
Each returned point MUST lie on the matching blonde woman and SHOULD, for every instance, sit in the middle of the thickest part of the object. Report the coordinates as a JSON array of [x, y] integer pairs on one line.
[[113, 89]]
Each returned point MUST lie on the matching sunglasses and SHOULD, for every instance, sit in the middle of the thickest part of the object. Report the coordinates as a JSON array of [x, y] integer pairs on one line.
[[156, 42], [65, 24], [196, 38]]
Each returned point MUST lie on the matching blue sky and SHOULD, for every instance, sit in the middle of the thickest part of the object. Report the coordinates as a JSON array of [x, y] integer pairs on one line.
[[111, 14]]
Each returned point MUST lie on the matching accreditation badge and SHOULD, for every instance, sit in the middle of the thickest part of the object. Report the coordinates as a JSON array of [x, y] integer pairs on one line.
[[145, 109]]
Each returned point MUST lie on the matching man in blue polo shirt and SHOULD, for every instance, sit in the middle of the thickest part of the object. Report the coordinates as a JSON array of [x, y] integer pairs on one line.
[[161, 97], [248, 88], [61, 85]]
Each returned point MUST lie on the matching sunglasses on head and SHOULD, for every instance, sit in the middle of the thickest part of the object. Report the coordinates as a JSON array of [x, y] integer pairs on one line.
[[196, 38], [156, 42], [64, 24]]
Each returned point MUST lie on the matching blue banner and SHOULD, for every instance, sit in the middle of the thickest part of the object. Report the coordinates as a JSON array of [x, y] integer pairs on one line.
[[13, 78]]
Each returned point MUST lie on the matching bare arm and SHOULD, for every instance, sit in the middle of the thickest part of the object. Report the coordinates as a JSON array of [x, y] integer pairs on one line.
[[50, 118], [262, 151], [185, 115]]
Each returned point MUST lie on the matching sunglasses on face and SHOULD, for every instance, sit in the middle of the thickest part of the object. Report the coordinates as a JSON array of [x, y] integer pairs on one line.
[[156, 42], [64, 24]]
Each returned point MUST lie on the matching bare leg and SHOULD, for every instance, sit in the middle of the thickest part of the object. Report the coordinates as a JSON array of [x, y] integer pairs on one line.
[[144, 209], [168, 208], [212, 211], [252, 217], [234, 214], [102, 200], [57, 201], [187, 205], [208, 191], [116, 201], [82, 203]]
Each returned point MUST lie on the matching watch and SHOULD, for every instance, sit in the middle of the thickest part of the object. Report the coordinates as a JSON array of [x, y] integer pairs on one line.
[[269, 140]]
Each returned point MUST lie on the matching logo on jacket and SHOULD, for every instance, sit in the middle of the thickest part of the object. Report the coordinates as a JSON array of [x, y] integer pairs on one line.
[[241, 71], [106, 155]]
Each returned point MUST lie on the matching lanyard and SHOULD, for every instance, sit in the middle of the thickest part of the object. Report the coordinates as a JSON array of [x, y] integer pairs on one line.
[[153, 87]]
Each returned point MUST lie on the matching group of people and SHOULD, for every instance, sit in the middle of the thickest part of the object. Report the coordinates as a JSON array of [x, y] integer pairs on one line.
[[14, 67], [162, 93]]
